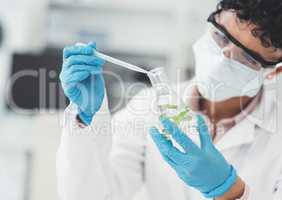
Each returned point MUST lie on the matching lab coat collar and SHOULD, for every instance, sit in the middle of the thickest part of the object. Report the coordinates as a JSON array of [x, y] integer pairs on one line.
[[242, 133], [264, 117]]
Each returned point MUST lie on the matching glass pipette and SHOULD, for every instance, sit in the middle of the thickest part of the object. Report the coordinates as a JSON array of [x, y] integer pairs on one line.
[[120, 63], [116, 61]]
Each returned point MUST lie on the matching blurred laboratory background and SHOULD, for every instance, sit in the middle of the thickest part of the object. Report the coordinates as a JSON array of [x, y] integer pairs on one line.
[[32, 35]]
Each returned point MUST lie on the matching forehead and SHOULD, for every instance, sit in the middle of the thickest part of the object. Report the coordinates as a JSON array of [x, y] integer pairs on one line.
[[241, 30]]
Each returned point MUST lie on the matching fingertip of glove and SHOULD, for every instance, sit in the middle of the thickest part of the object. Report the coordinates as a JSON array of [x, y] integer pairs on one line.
[[92, 44], [153, 131], [167, 124], [200, 119], [66, 51], [201, 122], [164, 120]]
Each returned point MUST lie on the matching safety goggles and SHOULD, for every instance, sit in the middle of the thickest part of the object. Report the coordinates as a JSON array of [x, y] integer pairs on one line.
[[239, 52]]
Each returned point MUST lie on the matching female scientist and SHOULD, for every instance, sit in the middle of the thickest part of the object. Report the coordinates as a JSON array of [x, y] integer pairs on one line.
[[240, 152]]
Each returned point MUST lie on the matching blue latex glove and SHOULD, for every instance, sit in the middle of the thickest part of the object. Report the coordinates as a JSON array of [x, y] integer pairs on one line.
[[82, 79], [203, 168]]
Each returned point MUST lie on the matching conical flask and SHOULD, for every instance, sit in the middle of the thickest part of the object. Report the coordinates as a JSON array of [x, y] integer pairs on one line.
[[170, 105]]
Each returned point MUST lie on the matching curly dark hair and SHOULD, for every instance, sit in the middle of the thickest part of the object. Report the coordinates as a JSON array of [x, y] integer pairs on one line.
[[265, 14]]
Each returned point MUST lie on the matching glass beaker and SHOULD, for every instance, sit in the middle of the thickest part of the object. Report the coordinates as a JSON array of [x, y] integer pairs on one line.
[[171, 106]]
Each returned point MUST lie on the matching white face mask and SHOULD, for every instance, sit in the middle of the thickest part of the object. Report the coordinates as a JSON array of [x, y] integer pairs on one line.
[[220, 78]]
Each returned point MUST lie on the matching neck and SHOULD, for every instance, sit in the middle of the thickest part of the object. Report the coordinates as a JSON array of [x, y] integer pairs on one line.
[[217, 111]]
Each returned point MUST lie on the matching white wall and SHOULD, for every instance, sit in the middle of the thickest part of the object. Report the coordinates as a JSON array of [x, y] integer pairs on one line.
[[24, 24]]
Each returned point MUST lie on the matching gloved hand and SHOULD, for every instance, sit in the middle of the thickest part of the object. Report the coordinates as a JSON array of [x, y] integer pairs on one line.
[[203, 168], [82, 79]]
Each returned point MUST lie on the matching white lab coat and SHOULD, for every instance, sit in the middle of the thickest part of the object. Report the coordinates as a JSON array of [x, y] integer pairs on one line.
[[116, 157]]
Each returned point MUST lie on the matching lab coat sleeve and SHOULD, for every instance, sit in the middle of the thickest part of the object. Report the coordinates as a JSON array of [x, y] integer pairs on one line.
[[80, 173], [103, 161]]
